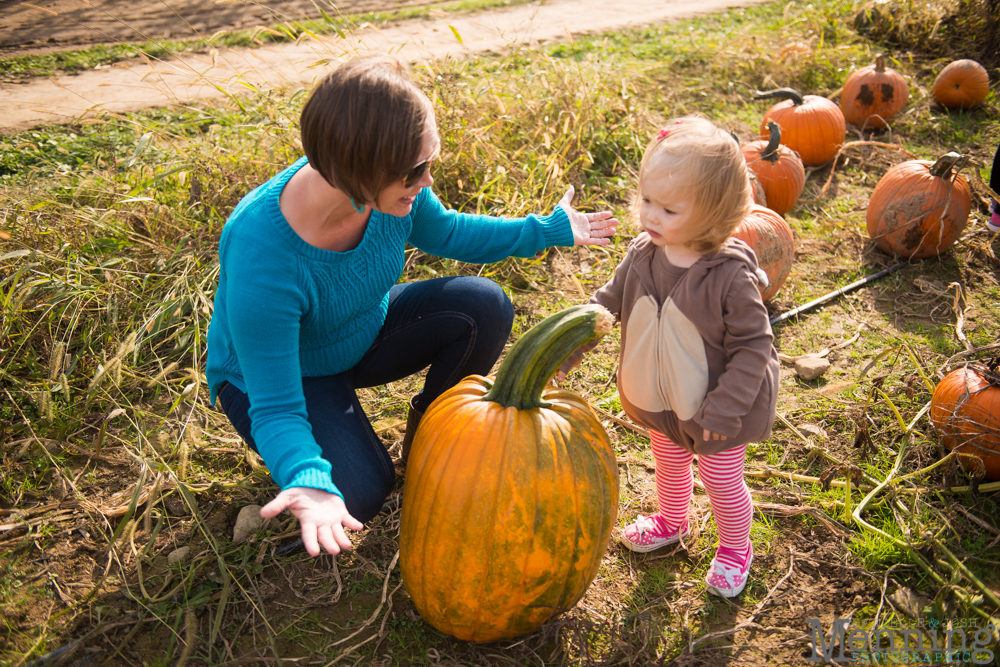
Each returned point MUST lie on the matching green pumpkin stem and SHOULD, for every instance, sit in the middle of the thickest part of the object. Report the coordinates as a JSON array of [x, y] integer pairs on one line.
[[781, 94], [538, 354], [770, 152]]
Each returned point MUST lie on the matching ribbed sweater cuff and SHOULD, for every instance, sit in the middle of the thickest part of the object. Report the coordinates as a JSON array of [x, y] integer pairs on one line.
[[315, 479], [556, 228]]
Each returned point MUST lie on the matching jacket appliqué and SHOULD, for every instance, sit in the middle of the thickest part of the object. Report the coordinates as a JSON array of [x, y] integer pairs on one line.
[[664, 365]]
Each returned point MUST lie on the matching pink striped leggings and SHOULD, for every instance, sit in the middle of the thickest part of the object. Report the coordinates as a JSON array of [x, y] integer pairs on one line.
[[722, 476]]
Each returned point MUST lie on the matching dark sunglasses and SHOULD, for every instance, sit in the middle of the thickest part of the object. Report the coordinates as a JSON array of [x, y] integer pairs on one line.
[[415, 174]]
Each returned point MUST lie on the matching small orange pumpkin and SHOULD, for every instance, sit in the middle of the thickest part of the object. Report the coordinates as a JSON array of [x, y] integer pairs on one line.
[[778, 168], [511, 492], [919, 208], [962, 84], [811, 125], [772, 241], [873, 95], [965, 408]]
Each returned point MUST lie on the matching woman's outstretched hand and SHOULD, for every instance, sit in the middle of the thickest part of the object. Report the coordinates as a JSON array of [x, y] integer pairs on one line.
[[322, 517], [588, 228]]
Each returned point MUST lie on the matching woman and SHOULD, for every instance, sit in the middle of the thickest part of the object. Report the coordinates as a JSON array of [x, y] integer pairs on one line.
[[307, 309]]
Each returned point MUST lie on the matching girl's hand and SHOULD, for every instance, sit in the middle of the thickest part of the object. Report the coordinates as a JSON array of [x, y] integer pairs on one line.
[[588, 228], [708, 435], [573, 361], [322, 517]]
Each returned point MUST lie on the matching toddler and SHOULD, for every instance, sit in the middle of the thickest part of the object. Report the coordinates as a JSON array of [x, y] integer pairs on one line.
[[697, 366]]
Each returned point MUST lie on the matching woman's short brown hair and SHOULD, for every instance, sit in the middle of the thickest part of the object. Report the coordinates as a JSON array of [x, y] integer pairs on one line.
[[363, 125], [708, 161]]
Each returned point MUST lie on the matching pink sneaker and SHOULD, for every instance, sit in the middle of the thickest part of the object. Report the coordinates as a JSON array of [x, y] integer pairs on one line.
[[725, 580], [649, 533], [994, 224]]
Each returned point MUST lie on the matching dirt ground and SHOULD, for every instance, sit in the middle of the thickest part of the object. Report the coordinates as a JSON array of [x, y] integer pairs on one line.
[[50, 25], [805, 572]]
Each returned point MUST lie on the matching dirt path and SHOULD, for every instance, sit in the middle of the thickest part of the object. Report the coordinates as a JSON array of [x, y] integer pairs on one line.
[[136, 85], [58, 25]]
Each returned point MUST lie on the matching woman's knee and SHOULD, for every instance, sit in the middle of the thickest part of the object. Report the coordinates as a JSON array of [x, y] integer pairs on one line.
[[487, 304], [364, 500]]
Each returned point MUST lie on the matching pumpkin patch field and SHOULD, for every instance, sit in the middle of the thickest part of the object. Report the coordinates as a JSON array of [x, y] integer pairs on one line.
[[877, 496]]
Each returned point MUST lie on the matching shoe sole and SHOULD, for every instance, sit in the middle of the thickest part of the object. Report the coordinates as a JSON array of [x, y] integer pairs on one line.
[[646, 548], [723, 594]]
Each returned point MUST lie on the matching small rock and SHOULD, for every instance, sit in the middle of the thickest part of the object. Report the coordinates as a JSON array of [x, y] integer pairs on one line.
[[814, 430], [178, 556], [248, 522], [907, 601], [175, 505], [811, 366]]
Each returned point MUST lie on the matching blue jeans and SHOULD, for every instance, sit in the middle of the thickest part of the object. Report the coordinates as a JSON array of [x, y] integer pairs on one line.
[[458, 326]]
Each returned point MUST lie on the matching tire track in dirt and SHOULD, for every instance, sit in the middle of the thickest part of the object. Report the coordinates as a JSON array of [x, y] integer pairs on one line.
[[187, 78]]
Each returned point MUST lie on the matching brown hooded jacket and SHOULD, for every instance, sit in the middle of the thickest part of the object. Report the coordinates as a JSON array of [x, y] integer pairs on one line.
[[697, 349]]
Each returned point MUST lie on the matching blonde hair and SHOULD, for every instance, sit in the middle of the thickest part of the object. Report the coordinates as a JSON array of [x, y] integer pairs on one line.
[[708, 163]]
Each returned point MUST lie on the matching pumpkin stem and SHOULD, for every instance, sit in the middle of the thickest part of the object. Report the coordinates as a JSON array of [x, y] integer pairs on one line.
[[781, 94], [948, 162], [880, 63], [770, 152], [538, 354]]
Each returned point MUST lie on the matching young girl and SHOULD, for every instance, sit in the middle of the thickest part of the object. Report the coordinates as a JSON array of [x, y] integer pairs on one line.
[[697, 365]]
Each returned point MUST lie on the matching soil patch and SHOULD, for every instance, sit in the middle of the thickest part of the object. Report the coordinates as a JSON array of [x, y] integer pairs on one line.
[[60, 25]]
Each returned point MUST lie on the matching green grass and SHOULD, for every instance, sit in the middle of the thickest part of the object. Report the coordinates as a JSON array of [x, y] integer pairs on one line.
[[107, 279]]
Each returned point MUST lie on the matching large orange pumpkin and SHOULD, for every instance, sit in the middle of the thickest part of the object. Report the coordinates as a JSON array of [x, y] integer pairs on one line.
[[919, 208], [779, 170], [771, 239], [811, 125], [965, 408], [962, 84], [511, 492], [873, 95]]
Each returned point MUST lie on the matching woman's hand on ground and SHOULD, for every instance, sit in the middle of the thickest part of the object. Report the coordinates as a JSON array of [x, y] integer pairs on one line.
[[322, 517], [588, 228]]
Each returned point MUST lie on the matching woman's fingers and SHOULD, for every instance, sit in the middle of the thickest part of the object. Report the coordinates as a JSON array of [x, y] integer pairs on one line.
[[568, 197], [328, 538], [341, 537], [275, 507], [309, 538], [352, 523]]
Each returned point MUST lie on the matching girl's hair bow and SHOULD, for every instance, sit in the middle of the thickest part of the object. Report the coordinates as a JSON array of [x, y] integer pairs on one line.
[[665, 131]]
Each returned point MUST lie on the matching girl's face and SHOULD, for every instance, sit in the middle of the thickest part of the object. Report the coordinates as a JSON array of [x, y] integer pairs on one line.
[[666, 212], [398, 198]]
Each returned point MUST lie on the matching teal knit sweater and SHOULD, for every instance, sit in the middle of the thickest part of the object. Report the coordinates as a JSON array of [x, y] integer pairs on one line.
[[285, 310]]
